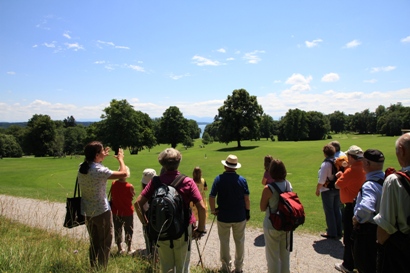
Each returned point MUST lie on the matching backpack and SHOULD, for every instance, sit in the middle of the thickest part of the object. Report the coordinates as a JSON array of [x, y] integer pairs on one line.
[[330, 183], [290, 213], [168, 217]]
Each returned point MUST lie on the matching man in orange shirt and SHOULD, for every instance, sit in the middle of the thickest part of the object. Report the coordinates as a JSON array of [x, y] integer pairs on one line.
[[349, 183]]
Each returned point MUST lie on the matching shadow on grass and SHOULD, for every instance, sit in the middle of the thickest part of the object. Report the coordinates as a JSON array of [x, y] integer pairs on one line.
[[331, 247], [232, 149]]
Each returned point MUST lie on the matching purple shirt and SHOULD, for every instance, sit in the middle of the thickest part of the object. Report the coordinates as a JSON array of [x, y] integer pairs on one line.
[[187, 189]]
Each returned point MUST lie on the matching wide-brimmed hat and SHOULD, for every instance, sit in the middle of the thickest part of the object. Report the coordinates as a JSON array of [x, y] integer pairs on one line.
[[231, 162], [355, 150], [147, 175]]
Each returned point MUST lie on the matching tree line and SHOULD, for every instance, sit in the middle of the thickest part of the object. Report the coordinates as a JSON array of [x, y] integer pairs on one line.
[[239, 118]]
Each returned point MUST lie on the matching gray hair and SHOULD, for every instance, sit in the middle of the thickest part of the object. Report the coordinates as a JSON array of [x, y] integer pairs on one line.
[[170, 159]]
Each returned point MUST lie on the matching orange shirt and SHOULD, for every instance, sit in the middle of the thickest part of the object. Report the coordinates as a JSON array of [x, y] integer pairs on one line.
[[351, 181]]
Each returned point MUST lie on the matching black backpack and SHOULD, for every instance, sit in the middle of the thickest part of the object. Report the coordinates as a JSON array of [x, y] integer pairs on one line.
[[330, 183], [168, 217]]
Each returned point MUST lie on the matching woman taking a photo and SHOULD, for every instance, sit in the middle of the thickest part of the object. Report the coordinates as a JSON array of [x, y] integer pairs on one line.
[[92, 178]]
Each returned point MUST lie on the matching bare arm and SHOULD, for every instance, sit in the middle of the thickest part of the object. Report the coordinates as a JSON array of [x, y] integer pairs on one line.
[[247, 202], [200, 206], [139, 209], [212, 204], [382, 235], [266, 195]]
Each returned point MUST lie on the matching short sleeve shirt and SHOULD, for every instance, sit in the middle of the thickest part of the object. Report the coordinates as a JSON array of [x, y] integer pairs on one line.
[[187, 189], [93, 190]]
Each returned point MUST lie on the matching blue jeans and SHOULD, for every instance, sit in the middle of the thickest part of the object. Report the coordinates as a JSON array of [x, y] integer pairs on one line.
[[331, 206]]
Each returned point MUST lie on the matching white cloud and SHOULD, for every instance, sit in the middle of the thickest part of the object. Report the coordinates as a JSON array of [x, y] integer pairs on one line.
[[202, 61], [382, 69], [370, 81], [276, 104], [353, 44], [230, 59], [11, 73], [252, 57], [50, 45], [177, 77], [65, 34], [110, 44], [405, 40], [331, 77], [313, 43], [277, 81], [136, 68], [221, 50], [99, 62], [74, 46]]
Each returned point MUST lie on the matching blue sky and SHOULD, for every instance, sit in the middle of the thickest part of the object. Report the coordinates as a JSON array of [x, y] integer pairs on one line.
[[64, 58]]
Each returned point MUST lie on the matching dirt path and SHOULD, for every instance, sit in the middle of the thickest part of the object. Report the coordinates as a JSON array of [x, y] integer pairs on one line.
[[311, 253]]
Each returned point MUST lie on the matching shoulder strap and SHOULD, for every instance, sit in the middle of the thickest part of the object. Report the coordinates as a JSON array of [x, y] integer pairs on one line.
[[404, 180], [109, 193], [177, 180], [380, 182], [77, 187], [273, 184]]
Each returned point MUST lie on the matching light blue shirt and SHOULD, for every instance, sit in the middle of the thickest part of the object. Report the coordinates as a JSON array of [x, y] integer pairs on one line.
[[368, 199]]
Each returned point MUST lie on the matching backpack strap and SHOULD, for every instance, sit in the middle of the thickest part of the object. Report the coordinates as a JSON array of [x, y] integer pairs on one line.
[[404, 179], [178, 180]]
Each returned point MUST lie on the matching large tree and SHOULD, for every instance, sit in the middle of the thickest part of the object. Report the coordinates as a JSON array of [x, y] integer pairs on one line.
[[239, 118], [74, 139], [9, 146], [41, 133], [267, 126], [337, 122], [123, 127], [294, 126], [319, 125], [173, 127]]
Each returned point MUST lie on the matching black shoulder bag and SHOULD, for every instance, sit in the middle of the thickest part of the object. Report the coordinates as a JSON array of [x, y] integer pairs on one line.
[[73, 216]]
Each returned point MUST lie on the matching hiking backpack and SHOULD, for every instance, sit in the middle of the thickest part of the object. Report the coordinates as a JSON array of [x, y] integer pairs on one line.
[[330, 183], [290, 213], [168, 217]]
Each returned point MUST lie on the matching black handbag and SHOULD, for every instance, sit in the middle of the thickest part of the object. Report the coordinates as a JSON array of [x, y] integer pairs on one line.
[[73, 217]]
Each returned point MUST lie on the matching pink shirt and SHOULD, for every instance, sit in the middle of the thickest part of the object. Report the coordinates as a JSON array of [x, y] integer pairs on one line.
[[187, 189]]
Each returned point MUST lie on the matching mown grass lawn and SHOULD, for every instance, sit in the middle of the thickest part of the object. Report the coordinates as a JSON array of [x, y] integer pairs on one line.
[[53, 178]]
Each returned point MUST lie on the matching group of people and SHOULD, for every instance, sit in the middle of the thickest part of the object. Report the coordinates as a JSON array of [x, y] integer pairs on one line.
[[369, 204], [375, 208]]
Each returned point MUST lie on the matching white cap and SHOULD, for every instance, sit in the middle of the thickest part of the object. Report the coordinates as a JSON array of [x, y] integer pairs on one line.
[[147, 175]]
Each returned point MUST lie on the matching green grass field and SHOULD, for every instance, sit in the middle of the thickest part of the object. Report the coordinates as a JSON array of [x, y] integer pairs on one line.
[[53, 178]]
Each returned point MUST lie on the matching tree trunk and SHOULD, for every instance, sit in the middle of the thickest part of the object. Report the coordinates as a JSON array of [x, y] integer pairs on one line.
[[239, 143]]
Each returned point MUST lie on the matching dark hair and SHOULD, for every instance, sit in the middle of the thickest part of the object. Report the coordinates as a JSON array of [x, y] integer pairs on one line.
[[335, 144], [90, 151], [196, 174], [266, 161], [329, 150], [277, 170]]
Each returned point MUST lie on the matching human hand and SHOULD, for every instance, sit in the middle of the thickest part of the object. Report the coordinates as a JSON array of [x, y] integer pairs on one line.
[[215, 212], [339, 174], [197, 234], [317, 192], [120, 154]]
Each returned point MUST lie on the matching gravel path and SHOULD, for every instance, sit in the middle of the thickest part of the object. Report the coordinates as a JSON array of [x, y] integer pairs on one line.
[[311, 253]]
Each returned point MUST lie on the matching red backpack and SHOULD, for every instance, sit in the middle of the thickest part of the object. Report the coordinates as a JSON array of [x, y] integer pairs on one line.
[[290, 213]]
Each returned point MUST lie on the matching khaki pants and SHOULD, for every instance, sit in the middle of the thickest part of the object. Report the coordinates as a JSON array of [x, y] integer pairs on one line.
[[175, 259], [238, 233], [277, 256]]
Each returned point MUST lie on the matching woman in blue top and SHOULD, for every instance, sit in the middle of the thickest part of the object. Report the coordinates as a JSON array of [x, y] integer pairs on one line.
[[92, 178]]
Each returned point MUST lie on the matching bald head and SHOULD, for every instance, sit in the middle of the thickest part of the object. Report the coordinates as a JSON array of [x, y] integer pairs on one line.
[[403, 150]]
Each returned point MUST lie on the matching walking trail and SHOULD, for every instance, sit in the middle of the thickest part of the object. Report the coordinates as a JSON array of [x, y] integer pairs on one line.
[[311, 253]]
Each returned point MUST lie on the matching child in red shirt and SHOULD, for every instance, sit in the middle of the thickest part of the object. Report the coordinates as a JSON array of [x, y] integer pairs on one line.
[[122, 208]]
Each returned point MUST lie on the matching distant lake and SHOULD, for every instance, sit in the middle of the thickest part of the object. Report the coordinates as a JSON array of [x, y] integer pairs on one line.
[[202, 127]]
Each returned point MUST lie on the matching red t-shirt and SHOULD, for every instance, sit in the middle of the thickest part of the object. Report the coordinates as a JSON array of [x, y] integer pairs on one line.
[[122, 194]]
